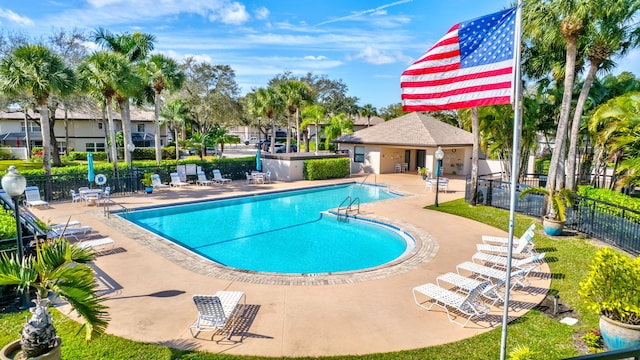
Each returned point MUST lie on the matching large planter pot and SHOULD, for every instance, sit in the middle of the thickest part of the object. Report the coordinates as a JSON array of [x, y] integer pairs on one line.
[[148, 189], [552, 227], [617, 335], [12, 349]]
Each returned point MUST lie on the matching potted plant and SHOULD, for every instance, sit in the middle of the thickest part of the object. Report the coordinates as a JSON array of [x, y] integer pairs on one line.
[[147, 182], [553, 221], [56, 269], [611, 290], [422, 171]]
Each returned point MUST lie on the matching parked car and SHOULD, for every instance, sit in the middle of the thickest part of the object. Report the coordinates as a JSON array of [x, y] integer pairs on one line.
[[281, 148], [251, 140]]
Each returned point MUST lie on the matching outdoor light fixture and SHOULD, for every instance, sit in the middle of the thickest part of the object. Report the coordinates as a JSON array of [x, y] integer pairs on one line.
[[439, 156], [14, 185]]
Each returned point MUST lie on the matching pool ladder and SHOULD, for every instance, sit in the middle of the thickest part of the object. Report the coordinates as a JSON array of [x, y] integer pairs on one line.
[[347, 205]]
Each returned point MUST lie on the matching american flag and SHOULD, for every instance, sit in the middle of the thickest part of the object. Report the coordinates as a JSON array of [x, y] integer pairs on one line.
[[472, 65]]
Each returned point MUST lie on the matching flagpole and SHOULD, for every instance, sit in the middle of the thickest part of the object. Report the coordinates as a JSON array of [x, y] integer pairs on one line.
[[515, 154]]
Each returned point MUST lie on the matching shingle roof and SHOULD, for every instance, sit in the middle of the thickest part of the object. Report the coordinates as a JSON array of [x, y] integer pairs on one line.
[[413, 129], [136, 114], [362, 120]]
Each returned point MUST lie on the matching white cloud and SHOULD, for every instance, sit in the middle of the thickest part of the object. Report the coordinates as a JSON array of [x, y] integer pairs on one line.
[[315, 58], [233, 14], [374, 56], [13, 17], [261, 13]]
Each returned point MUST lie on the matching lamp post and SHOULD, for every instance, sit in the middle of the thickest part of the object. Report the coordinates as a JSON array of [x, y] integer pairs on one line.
[[14, 185], [439, 156]]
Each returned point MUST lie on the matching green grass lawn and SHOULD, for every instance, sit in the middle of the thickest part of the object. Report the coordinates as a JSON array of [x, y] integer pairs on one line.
[[568, 258]]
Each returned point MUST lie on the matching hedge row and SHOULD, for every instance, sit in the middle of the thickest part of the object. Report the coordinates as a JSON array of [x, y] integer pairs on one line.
[[326, 169]]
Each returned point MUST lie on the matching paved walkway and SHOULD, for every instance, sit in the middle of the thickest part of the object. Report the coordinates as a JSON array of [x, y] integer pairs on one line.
[[150, 283]]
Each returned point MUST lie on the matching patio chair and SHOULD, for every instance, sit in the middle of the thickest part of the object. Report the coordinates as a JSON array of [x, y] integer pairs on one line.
[[175, 180], [202, 179], [494, 275], [500, 261], [470, 305], [74, 232], [250, 178], [499, 240], [156, 183], [218, 312], [76, 197], [465, 284], [105, 242], [32, 194], [217, 177], [523, 248]]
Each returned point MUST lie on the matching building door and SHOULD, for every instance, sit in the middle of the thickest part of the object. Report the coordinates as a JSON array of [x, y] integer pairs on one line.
[[407, 157], [420, 157]]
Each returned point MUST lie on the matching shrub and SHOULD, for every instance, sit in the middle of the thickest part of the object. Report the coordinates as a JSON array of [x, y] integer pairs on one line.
[[593, 340], [522, 353], [326, 168], [611, 286], [5, 154], [7, 225]]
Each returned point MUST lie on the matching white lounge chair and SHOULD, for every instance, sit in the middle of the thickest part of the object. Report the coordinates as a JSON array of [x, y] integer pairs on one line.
[[217, 177], [202, 179], [499, 240], [175, 180], [523, 248], [470, 305], [464, 284], [156, 183], [33, 197], [494, 275], [218, 312], [74, 232], [501, 261], [106, 242], [68, 225]]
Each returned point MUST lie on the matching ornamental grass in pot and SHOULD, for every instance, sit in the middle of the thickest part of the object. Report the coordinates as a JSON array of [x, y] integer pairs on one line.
[[56, 269], [558, 201], [611, 290]]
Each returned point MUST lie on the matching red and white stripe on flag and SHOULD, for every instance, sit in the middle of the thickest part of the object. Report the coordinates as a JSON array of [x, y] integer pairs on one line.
[[472, 65]]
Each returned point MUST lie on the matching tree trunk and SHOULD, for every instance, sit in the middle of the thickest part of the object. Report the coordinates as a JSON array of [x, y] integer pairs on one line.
[[575, 126], [112, 139], [175, 130], [288, 142], [272, 144], [475, 123], [297, 130], [46, 145], [38, 334], [125, 115], [66, 131], [157, 131], [558, 153]]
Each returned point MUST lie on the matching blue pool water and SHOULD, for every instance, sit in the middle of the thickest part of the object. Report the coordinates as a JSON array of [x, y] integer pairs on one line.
[[284, 232]]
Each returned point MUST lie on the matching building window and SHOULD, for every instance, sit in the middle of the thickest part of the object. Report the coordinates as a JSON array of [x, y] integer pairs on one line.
[[33, 127], [61, 147], [358, 154], [99, 126], [140, 127], [94, 147]]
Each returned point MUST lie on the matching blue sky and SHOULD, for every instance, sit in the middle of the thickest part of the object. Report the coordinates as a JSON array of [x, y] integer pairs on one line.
[[367, 44]]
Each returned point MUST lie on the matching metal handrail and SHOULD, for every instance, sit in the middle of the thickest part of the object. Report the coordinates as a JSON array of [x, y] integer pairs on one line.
[[107, 212]]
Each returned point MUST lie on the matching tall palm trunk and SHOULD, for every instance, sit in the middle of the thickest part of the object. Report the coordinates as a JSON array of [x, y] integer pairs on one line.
[[575, 125], [557, 157], [297, 130], [156, 115], [46, 144], [112, 139], [272, 144], [125, 115], [288, 142]]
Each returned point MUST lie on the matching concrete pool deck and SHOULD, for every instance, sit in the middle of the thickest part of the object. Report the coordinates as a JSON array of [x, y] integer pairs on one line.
[[150, 283]]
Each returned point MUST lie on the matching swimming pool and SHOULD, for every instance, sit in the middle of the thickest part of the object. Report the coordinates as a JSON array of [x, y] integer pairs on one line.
[[283, 232]]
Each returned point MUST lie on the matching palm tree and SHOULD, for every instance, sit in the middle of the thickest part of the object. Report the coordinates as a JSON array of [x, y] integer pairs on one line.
[[60, 269], [368, 111], [338, 125], [175, 113], [313, 115], [616, 126], [34, 69], [135, 47], [163, 74], [550, 22], [294, 93], [614, 33], [101, 75], [267, 102]]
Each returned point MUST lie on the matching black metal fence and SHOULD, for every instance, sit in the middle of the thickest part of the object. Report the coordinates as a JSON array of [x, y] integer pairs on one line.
[[613, 224]]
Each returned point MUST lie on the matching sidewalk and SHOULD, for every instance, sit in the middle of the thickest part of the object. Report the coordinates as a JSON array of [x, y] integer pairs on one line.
[[150, 283]]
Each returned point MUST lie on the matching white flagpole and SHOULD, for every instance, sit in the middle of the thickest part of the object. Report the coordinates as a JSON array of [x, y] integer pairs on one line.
[[517, 123]]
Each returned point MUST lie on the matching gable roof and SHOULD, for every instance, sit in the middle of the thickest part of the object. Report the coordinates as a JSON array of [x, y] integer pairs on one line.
[[413, 129]]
